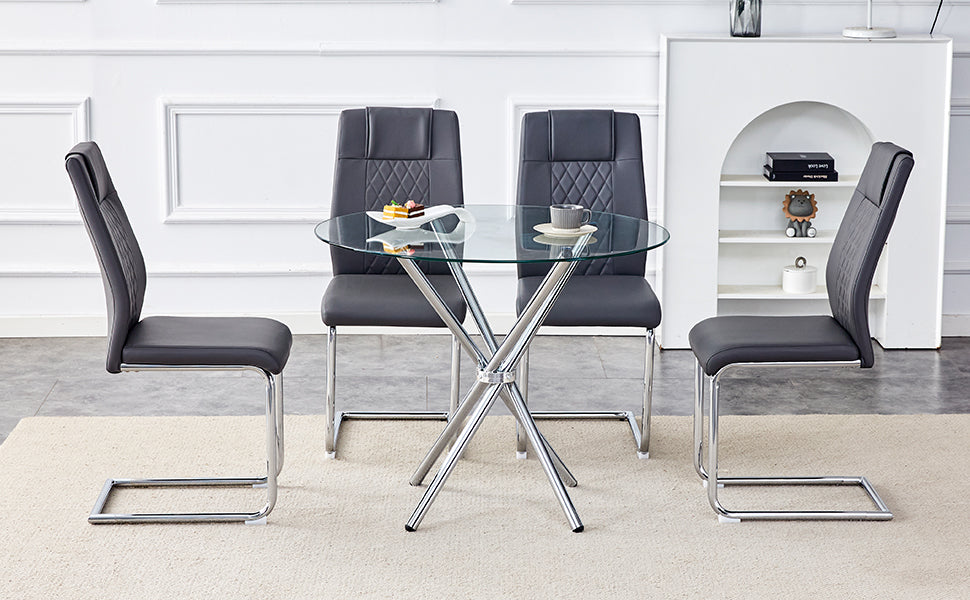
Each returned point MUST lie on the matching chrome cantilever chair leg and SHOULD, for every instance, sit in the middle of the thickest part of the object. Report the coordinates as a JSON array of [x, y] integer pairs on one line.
[[278, 394], [714, 482], [274, 461], [335, 418], [641, 430]]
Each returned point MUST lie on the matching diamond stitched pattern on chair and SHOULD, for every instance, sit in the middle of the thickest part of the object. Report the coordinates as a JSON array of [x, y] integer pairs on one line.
[[589, 184], [398, 180], [847, 257], [126, 246], [600, 266], [381, 265], [586, 183]]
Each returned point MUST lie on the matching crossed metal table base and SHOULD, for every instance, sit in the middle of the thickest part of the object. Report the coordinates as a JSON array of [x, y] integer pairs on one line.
[[496, 378]]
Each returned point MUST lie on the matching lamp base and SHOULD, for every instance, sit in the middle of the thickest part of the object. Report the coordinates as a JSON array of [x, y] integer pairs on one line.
[[869, 33]]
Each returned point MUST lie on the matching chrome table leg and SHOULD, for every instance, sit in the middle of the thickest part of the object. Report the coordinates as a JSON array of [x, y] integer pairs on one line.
[[481, 409], [502, 363], [524, 387], [478, 315], [463, 338]]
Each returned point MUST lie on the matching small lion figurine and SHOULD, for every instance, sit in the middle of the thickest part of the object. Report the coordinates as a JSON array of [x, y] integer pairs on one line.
[[800, 208]]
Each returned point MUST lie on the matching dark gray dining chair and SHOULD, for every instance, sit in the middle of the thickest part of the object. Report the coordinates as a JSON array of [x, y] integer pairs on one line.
[[593, 158], [385, 154], [161, 343], [723, 344]]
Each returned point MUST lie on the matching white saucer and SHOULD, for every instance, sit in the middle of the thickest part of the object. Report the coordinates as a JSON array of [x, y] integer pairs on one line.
[[548, 229], [558, 240]]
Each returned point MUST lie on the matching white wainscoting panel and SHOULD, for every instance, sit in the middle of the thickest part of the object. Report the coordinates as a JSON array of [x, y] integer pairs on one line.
[[36, 134], [284, 1], [253, 162]]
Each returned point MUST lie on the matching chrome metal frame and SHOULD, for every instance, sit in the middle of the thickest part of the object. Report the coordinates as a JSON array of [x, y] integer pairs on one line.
[[496, 378], [335, 418], [274, 463], [713, 482], [641, 430]]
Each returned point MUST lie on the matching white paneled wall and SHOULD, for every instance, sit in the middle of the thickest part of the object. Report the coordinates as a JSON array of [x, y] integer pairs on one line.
[[218, 121]]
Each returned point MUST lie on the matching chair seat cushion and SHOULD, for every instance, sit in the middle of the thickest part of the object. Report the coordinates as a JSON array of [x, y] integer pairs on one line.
[[213, 341], [597, 301], [721, 341], [387, 301]]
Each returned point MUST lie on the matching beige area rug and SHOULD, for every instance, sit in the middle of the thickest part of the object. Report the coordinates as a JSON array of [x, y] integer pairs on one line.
[[496, 531]]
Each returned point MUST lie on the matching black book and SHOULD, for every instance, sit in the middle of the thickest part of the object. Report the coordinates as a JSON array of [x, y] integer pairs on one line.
[[772, 175], [800, 161]]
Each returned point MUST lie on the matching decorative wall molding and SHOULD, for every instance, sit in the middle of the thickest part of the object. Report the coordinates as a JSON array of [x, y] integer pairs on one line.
[[361, 49], [78, 111], [194, 271], [958, 215], [172, 109], [961, 50], [721, 3], [322, 49], [960, 106], [517, 107], [235, 270], [288, 1], [956, 267]]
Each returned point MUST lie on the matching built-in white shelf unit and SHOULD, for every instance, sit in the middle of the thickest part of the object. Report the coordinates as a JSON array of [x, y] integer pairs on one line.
[[725, 102]]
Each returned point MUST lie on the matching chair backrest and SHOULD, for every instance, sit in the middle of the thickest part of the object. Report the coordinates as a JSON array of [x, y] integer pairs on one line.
[[120, 259], [400, 154], [588, 157], [860, 240]]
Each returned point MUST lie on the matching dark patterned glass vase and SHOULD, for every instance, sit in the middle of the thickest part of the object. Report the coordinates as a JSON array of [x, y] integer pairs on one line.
[[746, 18]]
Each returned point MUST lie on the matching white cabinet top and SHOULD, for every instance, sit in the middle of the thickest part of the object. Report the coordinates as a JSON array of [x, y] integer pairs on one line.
[[767, 39]]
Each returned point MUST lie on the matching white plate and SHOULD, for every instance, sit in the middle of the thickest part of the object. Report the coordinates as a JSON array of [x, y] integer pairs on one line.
[[430, 214], [548, 229]]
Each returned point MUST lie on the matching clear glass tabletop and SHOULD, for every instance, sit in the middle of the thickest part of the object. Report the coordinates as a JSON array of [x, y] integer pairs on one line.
[[491, 234]]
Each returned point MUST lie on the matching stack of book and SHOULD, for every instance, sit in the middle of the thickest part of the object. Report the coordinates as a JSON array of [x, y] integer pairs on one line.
[[800, 166]]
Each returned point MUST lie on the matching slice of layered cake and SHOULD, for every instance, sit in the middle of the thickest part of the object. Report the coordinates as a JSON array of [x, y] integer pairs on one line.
[[410, 210]]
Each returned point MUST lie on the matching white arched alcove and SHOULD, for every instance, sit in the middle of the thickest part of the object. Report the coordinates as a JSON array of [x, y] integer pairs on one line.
[[800, 126], [752, 246], [725, 102]]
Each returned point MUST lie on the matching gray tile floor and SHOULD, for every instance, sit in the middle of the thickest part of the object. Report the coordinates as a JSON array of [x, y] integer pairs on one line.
[[66, 376]]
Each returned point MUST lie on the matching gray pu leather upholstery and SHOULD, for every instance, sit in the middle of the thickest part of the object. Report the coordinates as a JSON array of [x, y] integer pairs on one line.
[[593, 158], [720, 341], [210, 341], [620, 301], [384, 154], [386, 301], [224, 341]]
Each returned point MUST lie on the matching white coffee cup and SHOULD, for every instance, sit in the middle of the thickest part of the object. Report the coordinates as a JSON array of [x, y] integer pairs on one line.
[[569, 217]]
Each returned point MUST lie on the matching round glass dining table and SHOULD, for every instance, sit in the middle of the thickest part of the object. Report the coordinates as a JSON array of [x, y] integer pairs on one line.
[[491, 234]]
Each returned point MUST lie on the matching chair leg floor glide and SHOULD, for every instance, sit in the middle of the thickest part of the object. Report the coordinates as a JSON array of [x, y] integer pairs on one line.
[[713, 483], [274, 463], [335, 419]]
